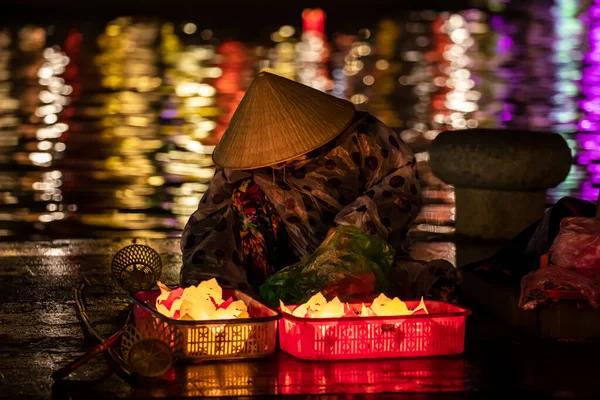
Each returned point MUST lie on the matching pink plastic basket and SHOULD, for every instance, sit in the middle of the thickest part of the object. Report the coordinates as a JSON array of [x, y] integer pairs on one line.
[[252, 337], [441, 332]]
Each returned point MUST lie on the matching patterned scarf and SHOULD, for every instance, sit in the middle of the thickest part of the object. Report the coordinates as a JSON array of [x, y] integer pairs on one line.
[[259, 227]]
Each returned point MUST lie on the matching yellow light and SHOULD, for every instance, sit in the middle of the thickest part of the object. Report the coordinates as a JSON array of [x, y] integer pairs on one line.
[[156, 181], [432, 134], [113, 30], [46, 96], [40, 158], [189, 28], [456, 21], [198, 101], [185, 89], [50, 119], [45, 73], [137, 121], [359, 98], [45, 218], [213, 72], [363, 50], [460, 124], [206, 90], [472, 123], [368, 80], [45, 145], [382, 64], [207, 125], [459, 35], [463, 74], [286, 31], [276, 37]]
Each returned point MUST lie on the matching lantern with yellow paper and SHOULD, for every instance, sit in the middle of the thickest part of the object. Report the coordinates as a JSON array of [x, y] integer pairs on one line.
[[332, 330], [215, 323]]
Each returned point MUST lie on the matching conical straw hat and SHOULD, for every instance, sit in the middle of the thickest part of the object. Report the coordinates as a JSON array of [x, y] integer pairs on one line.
[[277, 120]]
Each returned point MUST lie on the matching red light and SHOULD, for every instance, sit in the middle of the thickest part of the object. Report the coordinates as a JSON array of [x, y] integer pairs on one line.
[[313, 20]]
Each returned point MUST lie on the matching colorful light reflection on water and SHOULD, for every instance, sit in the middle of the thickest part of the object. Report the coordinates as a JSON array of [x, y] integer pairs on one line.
[[110, 133], [589, 124]]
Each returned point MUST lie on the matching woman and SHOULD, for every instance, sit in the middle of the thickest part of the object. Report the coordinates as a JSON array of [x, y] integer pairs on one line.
[[295, 163]]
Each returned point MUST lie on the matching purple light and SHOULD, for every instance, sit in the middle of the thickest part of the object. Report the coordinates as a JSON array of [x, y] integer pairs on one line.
[[585, 125], [589, 145], [591, 106], [590, 89], [583, 137], [594, 168], [589, 194], [584, 159], [594, 12], [496, 23], [169, 114], [593, 57], [504, 44], [595, 180]]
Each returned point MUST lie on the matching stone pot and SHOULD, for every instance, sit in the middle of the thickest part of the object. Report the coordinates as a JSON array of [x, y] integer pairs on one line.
[[500, 177]]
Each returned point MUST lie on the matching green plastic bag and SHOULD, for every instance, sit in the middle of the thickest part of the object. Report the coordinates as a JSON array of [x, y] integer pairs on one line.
[[349, 264]]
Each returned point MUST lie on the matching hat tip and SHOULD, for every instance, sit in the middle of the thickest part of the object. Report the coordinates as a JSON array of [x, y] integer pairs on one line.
[[267, 73]]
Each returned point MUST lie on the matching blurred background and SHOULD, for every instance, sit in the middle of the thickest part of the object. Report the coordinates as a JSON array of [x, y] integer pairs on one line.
[[109, 112]]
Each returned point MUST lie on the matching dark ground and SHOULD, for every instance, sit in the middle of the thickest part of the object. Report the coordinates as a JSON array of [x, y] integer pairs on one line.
[[40, 332]]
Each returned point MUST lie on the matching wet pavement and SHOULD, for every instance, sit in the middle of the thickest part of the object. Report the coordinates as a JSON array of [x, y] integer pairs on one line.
[[40, 332]]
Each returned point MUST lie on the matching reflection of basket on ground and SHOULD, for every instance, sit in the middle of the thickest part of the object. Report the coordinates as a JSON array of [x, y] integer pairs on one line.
[[229, 379], [442, 332], [372, 376], [252, 337]]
